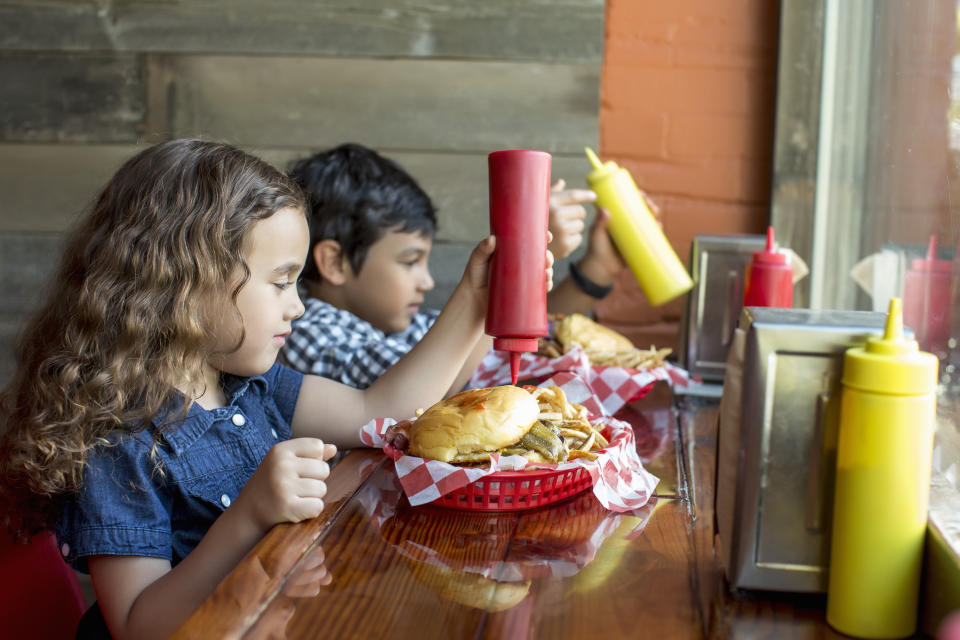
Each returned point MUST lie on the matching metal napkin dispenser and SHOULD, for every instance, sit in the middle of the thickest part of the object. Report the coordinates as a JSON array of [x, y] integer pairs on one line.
[[717, 264], [777, 443]]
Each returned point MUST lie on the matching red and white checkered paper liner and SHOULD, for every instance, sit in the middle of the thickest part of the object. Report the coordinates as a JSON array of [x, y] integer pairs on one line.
[[613, 386], [380, 503], [620, 482]]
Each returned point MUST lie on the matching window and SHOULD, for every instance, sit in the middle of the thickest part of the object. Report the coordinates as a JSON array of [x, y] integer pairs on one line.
[[867, 171]]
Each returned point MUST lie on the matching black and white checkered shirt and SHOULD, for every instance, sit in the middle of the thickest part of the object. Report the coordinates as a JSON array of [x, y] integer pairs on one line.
[[330, 342]]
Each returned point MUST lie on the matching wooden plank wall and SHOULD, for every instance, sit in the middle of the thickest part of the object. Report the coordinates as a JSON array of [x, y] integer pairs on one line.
[[435, 85]]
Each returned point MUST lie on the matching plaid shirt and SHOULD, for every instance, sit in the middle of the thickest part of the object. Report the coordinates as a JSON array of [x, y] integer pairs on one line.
[[330, 342]]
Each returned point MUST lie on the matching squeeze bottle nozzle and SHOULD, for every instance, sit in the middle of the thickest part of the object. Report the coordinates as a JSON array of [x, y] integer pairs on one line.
[[515, 347], [893, 328], [932, 248], [594, 160], [636, 233]]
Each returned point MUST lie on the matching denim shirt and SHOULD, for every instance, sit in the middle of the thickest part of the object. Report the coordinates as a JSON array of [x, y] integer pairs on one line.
[[126, 508]]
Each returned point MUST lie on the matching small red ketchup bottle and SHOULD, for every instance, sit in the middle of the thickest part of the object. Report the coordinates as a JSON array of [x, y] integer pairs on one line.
[[926, 300], [519, 207], [769, 278]]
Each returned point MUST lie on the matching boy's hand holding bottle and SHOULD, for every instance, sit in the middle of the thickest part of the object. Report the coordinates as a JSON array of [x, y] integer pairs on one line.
[[602, 261]]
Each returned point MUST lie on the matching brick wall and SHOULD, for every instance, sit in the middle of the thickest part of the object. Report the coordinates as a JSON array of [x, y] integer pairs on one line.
[[687, 96]]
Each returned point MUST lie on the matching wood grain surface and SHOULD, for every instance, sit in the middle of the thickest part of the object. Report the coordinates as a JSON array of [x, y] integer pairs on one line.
[[569, 570]]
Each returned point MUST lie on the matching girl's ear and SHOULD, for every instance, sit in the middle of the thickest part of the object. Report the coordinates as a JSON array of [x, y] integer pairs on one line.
[[331, 262]]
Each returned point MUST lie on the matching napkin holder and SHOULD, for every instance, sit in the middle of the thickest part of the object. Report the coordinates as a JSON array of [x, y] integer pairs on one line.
[[777, 441], [717, 264]]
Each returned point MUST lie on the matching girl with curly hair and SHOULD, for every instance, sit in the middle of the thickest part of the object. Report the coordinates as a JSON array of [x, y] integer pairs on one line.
[[147, 419]]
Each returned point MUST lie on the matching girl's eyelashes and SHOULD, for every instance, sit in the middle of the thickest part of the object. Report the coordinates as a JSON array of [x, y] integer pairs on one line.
[[283, 285]]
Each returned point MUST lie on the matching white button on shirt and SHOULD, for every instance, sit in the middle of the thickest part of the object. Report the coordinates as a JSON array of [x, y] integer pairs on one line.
[[274, 432], [225, 500], [238, 419]]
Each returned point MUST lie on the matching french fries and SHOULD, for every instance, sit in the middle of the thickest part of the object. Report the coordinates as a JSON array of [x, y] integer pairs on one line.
[[578, 435], [631, 358]]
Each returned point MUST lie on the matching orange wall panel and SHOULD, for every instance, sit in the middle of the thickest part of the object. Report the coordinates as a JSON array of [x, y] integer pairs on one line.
[[687, 107]]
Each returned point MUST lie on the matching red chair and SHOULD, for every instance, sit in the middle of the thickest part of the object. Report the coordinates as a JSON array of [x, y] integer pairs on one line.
[[40, 595]]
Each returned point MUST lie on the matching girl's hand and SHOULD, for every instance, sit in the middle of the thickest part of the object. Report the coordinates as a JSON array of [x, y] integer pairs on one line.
[[477, 273], [289, 485], [567, 217]]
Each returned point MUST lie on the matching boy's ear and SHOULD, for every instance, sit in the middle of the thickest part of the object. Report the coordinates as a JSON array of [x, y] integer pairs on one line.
[[330, 261]]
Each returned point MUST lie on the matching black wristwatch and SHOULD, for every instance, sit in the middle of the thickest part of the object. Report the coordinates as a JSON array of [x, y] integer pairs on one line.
[[587, 285]]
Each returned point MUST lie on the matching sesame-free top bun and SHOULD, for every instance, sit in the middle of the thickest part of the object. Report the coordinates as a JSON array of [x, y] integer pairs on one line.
[[473, 421]]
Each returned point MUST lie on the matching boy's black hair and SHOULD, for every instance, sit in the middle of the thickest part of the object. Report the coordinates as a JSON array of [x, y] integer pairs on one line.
[[354, 196]]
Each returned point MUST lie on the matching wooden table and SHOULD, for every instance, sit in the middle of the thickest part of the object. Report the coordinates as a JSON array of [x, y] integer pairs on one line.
[[569, 570]]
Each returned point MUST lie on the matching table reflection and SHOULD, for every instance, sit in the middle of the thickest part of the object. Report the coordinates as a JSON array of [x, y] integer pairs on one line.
[[384, 568], [654, 430], [461, 554], [306, 581]]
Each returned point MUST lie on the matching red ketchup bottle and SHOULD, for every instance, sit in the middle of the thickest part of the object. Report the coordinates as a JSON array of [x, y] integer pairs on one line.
[[769, 278], [519, 206], [926, 300]]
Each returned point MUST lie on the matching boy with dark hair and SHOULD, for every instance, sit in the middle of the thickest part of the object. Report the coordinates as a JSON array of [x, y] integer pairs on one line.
[[371, 231]]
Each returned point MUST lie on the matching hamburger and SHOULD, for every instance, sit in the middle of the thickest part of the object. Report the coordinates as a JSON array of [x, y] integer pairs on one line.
[[579, 329], [603, 345], [469, 426]]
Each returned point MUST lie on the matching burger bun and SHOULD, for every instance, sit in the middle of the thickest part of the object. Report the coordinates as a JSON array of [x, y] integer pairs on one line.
[[472, 421]]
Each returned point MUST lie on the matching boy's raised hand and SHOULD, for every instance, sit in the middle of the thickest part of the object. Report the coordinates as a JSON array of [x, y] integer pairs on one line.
[[289, 485], [567, 217], [602, 261]]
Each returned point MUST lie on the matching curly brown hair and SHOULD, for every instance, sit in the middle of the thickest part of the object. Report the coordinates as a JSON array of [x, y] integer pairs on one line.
[[124, 324]]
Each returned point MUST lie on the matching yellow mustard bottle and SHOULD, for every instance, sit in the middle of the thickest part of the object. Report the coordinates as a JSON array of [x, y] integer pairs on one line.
[[887, 414], [636, 233]]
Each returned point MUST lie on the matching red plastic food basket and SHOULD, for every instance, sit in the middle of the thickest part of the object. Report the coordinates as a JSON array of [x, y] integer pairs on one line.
[[516, 490]]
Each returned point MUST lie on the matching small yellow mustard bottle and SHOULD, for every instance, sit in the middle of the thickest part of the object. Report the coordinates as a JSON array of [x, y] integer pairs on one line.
[[636, 233], [887, 414]]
